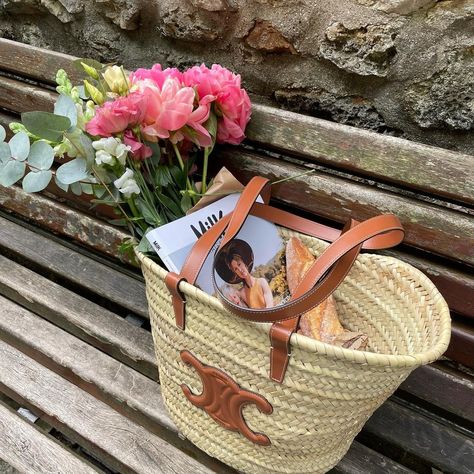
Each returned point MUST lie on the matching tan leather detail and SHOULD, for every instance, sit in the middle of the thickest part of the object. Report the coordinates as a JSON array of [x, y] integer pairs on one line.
[[172, 281], [222, 399]]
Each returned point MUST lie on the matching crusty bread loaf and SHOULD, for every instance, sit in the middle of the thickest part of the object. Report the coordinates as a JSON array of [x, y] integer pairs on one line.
[[321, 323]]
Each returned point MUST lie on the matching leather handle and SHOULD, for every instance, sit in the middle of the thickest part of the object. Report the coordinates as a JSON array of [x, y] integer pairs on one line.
[[319, 282]]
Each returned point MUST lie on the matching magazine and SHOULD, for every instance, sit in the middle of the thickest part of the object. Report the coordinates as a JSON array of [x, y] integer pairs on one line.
[[256, 256]]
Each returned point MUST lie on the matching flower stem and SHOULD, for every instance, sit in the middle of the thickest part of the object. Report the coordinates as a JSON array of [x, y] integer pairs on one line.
[[207, 152], [181, 164]]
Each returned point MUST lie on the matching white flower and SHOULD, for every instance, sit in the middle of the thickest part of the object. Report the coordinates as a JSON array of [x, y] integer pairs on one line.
[[126, 184], [102, 157], [107, 144], [121, 152]]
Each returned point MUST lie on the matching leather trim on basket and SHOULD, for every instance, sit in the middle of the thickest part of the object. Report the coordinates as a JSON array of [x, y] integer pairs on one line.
[[223, 400]]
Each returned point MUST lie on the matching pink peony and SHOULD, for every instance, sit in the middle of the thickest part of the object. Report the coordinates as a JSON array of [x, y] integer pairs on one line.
[[115, 116], [232, 102], [139, 150], [167, 110], [156, 75]]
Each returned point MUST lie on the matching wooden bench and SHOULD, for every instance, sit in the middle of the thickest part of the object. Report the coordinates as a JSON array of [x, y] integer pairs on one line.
[[75, 342]]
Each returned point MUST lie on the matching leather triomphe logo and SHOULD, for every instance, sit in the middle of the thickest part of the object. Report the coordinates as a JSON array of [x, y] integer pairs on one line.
[[222, 399]]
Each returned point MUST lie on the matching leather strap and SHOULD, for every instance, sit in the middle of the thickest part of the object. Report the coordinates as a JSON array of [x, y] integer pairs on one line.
[[323, 277]]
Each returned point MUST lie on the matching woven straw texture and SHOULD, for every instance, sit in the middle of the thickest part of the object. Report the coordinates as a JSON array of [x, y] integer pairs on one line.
[[328, 392]]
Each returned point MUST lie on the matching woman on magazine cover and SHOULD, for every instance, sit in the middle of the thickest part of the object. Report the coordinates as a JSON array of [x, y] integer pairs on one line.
[[234, 265]]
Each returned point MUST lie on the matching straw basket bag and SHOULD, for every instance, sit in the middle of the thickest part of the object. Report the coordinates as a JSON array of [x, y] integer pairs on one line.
[[243, 386]]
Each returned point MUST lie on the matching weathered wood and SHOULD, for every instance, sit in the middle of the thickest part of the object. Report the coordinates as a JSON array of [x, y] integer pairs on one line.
[[429, 227], [109, 332], [443, 387], [28, 449], [119, 443], [461, 346], [362, 460], [78, 272], [430, 169], [433, 440], [33, 62], [19, 97], [107, 379], [63, 220]]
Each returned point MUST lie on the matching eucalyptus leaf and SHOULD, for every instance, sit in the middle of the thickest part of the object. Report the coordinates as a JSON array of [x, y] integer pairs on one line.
[[66, 107], [36, 181], [3, 134], [61, 185], [45, 125], [99, 191], [144, 246], [87, 188], [11, 172], [82, 92], [76, 188], [73, 171], [20, 146], [5, 153], [41, 155]]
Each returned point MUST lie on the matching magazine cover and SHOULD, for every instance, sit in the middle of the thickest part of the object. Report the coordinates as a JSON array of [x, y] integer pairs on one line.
[[251, 271]]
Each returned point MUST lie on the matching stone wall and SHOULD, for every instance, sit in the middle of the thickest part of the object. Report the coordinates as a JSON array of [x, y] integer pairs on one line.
[[402, 67]]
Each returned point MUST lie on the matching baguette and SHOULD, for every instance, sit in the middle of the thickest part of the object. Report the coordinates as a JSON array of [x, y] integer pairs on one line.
[[322, 322]]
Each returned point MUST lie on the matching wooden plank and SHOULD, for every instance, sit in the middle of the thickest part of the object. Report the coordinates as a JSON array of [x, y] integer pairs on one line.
[[443, 387], [20, 97], [109, 332], [428, 438], [362, 460], [461, 346], [79, 272], [33, 62], [433, 170], [63, 220], [118, 442], [121, 387], [429, 227], [28, 449]]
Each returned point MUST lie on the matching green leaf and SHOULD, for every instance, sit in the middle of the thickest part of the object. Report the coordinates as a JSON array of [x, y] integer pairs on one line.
[[170, 204], [99, 191], [41, 155], [163, 176], [211, 126], [20, 146], [76, 188], [82, 92], [144, 246], [11, 172], [61, 185], [146, 212], [73, 171], [118, 222], [186, 203], [36, 181], [51, 127], [87, 188], [3, 134], [5, 153], [66, 107]]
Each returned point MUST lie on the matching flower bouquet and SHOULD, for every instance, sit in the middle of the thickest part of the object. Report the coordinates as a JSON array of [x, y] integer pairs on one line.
[[133, 141]]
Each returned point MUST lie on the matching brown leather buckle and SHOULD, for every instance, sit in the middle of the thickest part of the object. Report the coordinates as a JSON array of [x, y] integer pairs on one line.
[[280, 351], [172, 281]]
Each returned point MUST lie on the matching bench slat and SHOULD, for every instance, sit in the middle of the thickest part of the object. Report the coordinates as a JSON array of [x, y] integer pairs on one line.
[[19, 97], [443, 387], [120, 443], [409, 164], [63, 220], [419, 433], [109, 332], [433, 228], [82, 273], [28, 449]]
